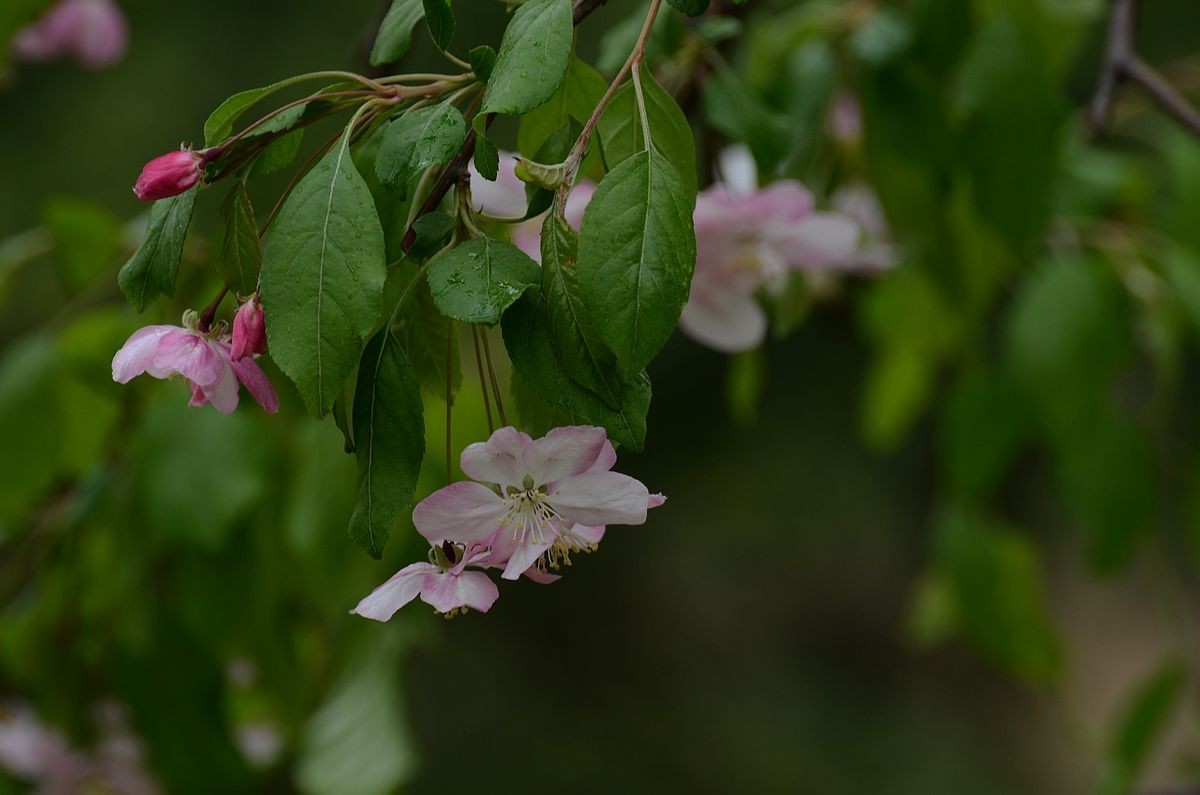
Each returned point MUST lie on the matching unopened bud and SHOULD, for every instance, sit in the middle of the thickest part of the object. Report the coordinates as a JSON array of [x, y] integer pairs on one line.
[[169, 175], [249, 331]]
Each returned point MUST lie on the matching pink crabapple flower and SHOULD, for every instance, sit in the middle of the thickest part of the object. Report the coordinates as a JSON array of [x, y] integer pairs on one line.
[[505, 198], [548, 498], [205, 361], [94, 32], [249, 330], [171, 174], [750, 240], [445, 583]]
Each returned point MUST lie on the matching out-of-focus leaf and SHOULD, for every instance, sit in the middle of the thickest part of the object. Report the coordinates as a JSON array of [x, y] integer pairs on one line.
[[985, 422], [737, 113], [745, 381], [198, 471], [357, 742], [1014, 116], [1143, 722], [87, 239], [993, 588]]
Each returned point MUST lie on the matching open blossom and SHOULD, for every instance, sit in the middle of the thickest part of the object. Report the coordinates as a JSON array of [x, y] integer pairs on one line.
[[94, 32], [170, 174], [749, 240], [249, 331], [205, 361], [505, 198], [445, 583], [546, 499]]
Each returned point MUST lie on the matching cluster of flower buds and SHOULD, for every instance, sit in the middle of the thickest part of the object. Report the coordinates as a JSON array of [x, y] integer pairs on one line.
[[530, 506]]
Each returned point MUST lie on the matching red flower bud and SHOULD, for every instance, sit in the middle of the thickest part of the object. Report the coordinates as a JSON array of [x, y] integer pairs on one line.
[[249, 331], [169, 175]]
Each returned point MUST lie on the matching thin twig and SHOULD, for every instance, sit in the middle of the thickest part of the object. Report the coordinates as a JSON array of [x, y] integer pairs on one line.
[[1123, 64]]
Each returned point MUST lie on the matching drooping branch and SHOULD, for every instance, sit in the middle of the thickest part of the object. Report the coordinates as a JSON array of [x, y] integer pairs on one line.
[[456, 170], [1122, 64]]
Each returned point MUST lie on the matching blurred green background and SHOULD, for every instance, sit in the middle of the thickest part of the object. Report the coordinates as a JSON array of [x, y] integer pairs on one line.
[[942, 538]]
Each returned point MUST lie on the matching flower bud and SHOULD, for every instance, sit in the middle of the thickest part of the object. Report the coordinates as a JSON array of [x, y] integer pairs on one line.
[[249, 331], [169, 175]]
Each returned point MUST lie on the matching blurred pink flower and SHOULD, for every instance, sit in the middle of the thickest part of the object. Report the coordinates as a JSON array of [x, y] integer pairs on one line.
[[748, 240], [877, 251], [505, 198], [249, 331], [37, 753], [170, 174], [94, 32], [444, 583], [204, 361]]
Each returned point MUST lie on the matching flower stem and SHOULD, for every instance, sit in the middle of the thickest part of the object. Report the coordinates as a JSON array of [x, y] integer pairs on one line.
[[483, 384], [449, 398], [487, 355], [210, 311], [575, 157]]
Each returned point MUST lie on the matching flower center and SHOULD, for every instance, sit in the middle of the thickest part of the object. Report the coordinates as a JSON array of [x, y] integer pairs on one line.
[[530, 515]]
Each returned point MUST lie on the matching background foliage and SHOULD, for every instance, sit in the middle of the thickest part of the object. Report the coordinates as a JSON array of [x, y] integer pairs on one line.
[[941, 538]]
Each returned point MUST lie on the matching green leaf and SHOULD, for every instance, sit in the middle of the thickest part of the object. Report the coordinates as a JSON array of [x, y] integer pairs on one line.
[[278, 154], [476, 281], [395, 32], [416, 141], [576, 98], [432, 231], [693, 8], [87, 239], [621, 129], [483, 61], [637, 250], [440, 19], [996, 589], [389, 428], [240, 257], [322, 276], [487, 158], [219, 124], [527, 337], [1144, 721], [577, 346], [533, 57], [424, 333], [152, 269]]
